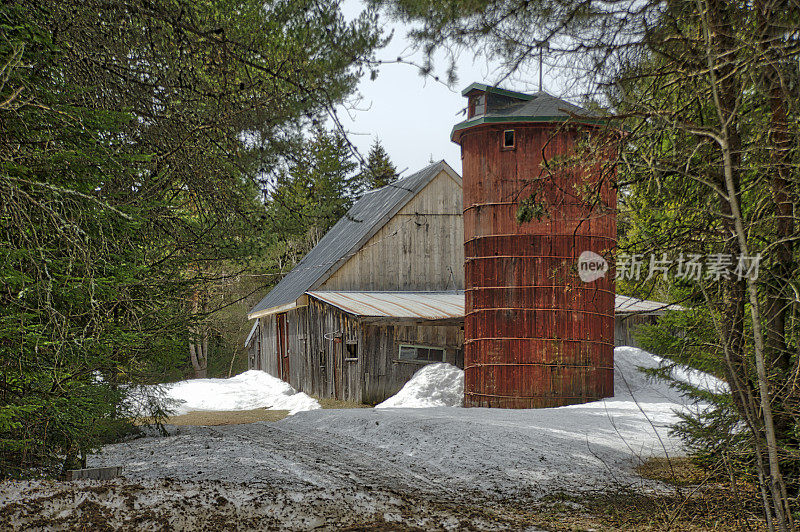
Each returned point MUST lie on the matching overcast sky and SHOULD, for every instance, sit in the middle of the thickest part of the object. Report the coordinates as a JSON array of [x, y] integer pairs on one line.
[[413, 115]]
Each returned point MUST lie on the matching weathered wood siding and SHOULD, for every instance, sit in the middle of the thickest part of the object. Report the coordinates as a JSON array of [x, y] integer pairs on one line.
[[625, 328], [317, 338], [420, 248], [319, 363], [267, 346], [319, 352], [384, 374]]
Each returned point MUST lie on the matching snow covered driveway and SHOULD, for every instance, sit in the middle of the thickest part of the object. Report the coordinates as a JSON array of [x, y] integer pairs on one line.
[[441, 467], [431, 451]]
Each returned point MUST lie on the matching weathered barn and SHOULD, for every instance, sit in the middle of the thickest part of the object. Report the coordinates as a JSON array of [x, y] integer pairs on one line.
[[381, 295], [406, 237]]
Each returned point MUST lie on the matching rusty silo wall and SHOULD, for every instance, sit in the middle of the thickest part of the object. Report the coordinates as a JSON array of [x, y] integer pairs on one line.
[[535, 334]]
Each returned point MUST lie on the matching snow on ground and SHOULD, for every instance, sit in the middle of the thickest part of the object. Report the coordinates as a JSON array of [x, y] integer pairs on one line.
[[440, 451], [588, 446], [246, 391], [433, 385]]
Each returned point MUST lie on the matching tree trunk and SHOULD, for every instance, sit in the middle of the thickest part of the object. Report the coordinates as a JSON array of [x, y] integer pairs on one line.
[[725, 91], [198, 341]]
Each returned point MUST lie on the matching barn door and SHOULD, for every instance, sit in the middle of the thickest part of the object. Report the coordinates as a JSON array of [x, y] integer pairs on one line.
[[338, 363], [258, 351], [283, 347]]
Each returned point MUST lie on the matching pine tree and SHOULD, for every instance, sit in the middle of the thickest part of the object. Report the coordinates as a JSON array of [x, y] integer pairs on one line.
[[312, 192], [379, 171]]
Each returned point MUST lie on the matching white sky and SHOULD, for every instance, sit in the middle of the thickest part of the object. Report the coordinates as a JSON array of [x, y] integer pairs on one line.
[[413, 115]]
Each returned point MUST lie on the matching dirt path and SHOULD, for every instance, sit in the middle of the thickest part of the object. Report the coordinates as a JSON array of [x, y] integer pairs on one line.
[[215, 418]]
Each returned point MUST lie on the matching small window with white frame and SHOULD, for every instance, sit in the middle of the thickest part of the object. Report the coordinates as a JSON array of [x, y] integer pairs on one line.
[[421, 353]]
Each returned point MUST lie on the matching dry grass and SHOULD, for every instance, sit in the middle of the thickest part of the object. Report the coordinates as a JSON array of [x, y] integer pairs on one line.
[[210, 419], [675, 471], [215, 418], [696, 505], [330, 402]]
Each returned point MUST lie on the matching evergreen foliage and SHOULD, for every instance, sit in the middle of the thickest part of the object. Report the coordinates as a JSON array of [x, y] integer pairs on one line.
[[315, 188], [132, 138], [379, 171]]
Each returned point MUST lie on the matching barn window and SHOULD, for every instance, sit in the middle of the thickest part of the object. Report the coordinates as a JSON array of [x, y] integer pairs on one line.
[[421, 353], [351, 351], [508, 139]]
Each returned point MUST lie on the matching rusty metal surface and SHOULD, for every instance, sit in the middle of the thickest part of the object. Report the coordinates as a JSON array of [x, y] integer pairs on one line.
[[420, 305], [535, 334]]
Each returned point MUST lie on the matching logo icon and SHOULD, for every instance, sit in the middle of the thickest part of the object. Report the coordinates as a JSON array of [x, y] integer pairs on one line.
[[591, 266]]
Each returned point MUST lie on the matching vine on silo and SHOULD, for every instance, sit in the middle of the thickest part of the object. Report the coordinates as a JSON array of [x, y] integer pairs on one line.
[[530, 208]]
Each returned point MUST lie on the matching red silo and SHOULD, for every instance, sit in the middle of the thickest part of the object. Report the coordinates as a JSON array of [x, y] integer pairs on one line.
[[536, 334]]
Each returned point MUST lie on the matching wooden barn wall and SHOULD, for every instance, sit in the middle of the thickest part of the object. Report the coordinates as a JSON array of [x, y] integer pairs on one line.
[[384, 374], [625, 328], [317, 338], [254, 349], [264, 347], [313, 351], [420, 248]]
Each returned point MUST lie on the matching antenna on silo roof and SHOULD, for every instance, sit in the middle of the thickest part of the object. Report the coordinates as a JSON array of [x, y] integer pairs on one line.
[[541, 62]]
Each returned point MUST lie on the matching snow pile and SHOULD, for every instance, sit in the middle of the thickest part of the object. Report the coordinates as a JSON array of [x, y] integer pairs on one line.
[[696, 378], [433, 385], [442, 384], [629, 381], [246, 391]]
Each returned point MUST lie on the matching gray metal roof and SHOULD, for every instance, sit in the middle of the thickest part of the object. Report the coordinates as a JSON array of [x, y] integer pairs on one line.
[[423, 305], [542, 105], [446, 305], [363, 220]]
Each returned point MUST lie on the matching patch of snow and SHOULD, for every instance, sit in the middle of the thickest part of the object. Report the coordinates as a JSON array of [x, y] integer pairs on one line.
[[696, 378], [587, 446], [246, 391], [431, 386], [629, 380], [442, 384]]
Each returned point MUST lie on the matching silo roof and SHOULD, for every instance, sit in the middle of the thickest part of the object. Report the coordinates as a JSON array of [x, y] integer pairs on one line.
[[538, 107]]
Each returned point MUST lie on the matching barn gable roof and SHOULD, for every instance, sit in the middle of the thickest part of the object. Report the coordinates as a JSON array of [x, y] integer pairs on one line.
[[365, 218]]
